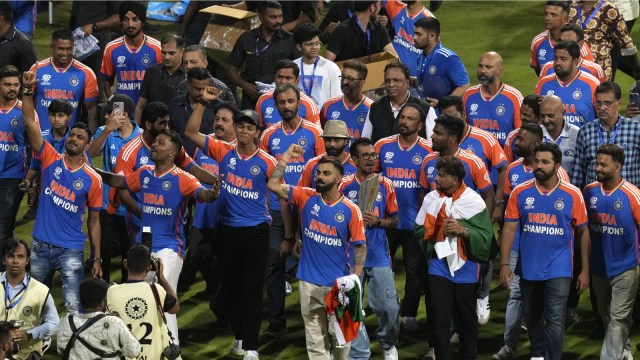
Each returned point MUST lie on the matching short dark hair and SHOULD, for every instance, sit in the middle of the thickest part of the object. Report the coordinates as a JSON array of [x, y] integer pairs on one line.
[[533, 129], [83, 126], [452, 124], [575, 28], [138, 259], [305, 32], [62, 34], [329, 160], [60, 106], [174, 136], [285, 87], [173, 37], [11, 244], [430, 24], [287, 64], [609, 86], [449, 101], [360, 6], [196, 48], [552, 148], [533, 101], [9, 71], [92, 292], [421, 112], [613, 150], [353, 148], [198, 74], [571, 47], [152, 111], [358, 66], [565, 5], [229, 106], [5, 11], [398, 65], [450, 165], [269, 4]]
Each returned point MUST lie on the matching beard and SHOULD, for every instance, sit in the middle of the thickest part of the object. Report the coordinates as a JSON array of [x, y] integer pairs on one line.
[[520, 151], [542, 176], [322, 188]]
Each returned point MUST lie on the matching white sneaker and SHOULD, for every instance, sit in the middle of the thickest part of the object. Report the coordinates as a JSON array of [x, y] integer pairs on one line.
[[391, 354], [287, 288], [455, 339], [482, 308], [626, 355], [537, 358], [251, 355], [431, 355], [237, 348], [409, 324]]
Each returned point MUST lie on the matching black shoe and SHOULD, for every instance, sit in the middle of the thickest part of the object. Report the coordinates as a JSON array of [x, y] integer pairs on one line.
[[275, 331], [571, 318]]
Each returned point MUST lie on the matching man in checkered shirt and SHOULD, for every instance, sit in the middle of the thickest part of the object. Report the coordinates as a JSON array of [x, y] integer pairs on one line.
[[608, 128]]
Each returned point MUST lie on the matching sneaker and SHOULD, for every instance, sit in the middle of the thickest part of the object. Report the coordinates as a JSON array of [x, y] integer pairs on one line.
[[275, 331], [626, 355], [505, 353], [538, 358], [409, 324], [483, 310], [431, 355], [571, 317], [237, 348], [287, 288], [391, 354], [46, 344], [455, 339], [251, 355]]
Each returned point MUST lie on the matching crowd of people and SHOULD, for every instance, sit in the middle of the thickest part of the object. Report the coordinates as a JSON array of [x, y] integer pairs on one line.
[[276, 165]]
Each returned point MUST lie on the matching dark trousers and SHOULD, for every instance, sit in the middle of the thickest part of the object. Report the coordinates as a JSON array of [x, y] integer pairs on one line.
[[10, 198], [113, 229], [624, 63], [275, 272], [415, 267], [458, 300], [243, 264], [204, 258]]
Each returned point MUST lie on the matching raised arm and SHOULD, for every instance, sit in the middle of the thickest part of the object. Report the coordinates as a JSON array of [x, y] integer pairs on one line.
[[275, 180], [111, 179], [192, 131], [29, 112]]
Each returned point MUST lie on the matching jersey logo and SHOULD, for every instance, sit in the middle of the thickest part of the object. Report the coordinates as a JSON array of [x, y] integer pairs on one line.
[[255, 170], [559, 204], [430, 170], [514, 179], [528, 203], [361, 119], [144, 160], [542, 53], [303, 142], [550, 92], [57, 172], [432, 69], [78, 184], [471, 149], [166, 186], [335, 115], [592, 202], [339, 217], [275, 143], [146, 60], [113, 146], [352, 195], [136, 308], [145, 182], [45, 79], [269, 111], [474, 109], [417, 159], [15, 122], [232, 163], [27, 311], [388, 157], [617, 205], [500, 110], [379, 196], [121, 59], [74, 81], [577, 94], [315, 210]]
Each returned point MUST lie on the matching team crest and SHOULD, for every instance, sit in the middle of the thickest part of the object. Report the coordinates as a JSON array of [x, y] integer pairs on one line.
[[339, 217], [335, 115], [379, 196], [15, 122], [303, 142], [74, 81], [146, 60], [45, 79], [352, 194], [559, 204], [144, 160], [27, 311], [78, 184], [432, 69], [136, 308], [361, 119], [255, 170], [166, 186], [145, 182], [315, 209], [528, 203], [417, 159], [617, 205], [471, 149], [269, 111], [500, 110], [577, 94]]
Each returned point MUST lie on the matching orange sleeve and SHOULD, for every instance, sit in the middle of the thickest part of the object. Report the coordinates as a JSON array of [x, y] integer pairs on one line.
[[259, 112], [305, 177], [512, 212], [497, 154], [183, 160], [508, 151], [424, 182], [94, 198], [507, 184], [356, 225], [216, 149], [392, 202], [299, 195], [578, 210], [90, 85], [313, 113], [133, 179], [393, 8], [107, 64], [264, 141], [517, 122], [47, 155], [538, 87], [480, 174], [319, 148], [188, 185]]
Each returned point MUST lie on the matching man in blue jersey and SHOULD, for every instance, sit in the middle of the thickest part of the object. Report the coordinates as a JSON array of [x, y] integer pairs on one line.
[[12, 150], [552, 215], [69, 188], [440, 71], [614, 216], [332, 225], [108, 140]]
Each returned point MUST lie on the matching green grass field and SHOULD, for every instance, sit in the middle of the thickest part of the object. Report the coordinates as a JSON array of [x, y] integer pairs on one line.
[[469, 28]]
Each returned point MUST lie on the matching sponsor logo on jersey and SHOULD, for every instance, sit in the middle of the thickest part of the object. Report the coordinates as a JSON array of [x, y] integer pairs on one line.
[[528, 203]]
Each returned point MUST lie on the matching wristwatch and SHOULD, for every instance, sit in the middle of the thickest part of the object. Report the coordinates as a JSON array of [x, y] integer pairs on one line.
[[97, 258], [29, 336]]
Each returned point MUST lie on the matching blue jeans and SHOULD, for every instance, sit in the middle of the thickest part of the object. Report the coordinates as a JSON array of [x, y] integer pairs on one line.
[[546, 302], [46, 259], [10, 198], [486, 273], [513, 314], [383, 300]]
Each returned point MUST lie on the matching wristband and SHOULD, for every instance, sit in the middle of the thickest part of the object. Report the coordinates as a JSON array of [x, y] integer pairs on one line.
[[27, 91], [504, 264], [500, 203], [379, 222], [290, 239], [97, 258]]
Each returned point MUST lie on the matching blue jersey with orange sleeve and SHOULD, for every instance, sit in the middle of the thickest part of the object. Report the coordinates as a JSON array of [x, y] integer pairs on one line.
[[354, 116], [76, 83], [547, 221], [476, 177], [308, 176], [485, 146], [13, 141], [329, 230], [498, 114], [578, 96], [402, 166], [65, 195], [205, 215], [509, 146], [268, 112], [384, 206], [542, 50], [244, 183], [584, 65], [164, 201], [127, 64], [614, 217]]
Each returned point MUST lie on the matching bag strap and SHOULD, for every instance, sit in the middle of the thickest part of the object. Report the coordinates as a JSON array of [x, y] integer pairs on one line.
[[156, 296], [77, 331]]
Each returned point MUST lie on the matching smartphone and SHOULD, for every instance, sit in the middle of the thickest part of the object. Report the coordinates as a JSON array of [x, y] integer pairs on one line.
[[634, 98], [146, 236], [118, 108]]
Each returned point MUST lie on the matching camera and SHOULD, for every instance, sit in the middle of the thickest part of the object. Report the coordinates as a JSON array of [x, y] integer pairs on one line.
[[16, 324], [171, 352]]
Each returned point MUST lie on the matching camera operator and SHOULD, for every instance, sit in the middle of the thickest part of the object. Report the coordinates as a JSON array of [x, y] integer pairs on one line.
[[28, 305], [6, 342], [144, 319]]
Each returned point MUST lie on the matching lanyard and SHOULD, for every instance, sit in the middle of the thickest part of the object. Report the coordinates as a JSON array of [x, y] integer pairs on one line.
[[584, 23], [11, 303], [260, 51], [367, 33], [313, 73], [350, 13], [612, 137]]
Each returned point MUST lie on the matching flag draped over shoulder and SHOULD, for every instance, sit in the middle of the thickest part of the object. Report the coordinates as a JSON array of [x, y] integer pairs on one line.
[[344, 307]]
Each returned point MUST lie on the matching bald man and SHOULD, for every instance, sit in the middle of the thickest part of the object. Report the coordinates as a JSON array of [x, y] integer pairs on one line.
[[493, 105], [556, 130]]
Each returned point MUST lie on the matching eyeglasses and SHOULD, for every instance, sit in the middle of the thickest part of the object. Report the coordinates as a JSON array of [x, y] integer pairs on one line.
[[604, 104], [347, 78], [312, 43], [368, 156]]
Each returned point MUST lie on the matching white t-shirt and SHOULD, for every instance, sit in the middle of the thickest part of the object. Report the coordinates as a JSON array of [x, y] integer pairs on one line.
[[321, 85]]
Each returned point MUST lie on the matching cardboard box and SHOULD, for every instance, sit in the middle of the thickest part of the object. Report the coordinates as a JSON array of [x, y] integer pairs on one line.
[[224, 28], [375, 66]]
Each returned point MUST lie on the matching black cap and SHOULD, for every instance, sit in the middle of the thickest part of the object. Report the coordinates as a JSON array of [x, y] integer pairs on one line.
[[249, 115], [129, 106]]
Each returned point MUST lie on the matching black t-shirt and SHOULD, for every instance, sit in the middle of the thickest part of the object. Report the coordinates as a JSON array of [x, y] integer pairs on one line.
[[348, 41], [17, 50]]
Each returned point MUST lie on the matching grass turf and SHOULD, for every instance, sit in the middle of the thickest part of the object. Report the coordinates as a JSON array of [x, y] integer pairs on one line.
[[469, 28]]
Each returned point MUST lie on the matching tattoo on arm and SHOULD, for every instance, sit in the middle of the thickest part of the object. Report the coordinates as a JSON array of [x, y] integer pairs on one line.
[[360, 254], [285, 190], [278, 172]]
